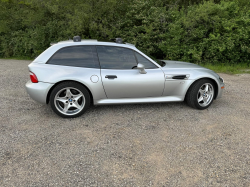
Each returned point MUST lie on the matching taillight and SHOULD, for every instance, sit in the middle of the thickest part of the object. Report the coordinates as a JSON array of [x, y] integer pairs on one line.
[[33, 77]]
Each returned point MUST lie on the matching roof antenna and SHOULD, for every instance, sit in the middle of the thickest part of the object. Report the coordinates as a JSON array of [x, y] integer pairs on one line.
[[117, 40], [77, 39]]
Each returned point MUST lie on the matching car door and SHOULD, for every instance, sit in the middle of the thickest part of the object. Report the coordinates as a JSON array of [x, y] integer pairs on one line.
[[120, 77]]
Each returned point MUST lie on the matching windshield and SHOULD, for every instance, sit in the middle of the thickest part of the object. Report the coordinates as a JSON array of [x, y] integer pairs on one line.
[[160, 62]]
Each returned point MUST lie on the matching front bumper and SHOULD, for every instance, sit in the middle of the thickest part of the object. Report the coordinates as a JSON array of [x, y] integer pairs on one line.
[[38, 91], [220, 90]]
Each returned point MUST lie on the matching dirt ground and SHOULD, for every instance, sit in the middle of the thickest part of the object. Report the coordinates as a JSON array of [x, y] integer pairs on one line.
[[167, 144]]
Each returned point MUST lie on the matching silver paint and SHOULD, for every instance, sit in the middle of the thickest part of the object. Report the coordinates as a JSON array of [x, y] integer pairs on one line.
[[94, 78], [138, 100], [133, 84], [130, 86], [38, 91]]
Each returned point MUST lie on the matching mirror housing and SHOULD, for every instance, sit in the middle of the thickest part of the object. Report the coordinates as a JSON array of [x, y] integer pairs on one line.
[[141, 68]]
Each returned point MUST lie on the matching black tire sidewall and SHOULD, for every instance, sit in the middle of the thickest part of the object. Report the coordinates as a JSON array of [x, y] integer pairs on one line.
[[192, 95], [73, 85]]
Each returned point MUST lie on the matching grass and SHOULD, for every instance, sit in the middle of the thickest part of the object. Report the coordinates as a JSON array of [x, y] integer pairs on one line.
[[228, 68]]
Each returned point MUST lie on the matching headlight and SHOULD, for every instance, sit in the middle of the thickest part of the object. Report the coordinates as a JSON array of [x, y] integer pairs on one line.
[[221, 79]]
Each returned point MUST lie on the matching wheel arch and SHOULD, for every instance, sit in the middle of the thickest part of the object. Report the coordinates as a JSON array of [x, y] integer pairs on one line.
[[214, 81], [49, 92]]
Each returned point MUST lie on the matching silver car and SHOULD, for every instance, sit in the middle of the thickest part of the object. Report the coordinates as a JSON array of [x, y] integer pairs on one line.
[[71, 75]]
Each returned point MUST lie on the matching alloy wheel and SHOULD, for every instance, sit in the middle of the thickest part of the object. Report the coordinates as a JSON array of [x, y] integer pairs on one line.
[[205, 94], [69, 101]]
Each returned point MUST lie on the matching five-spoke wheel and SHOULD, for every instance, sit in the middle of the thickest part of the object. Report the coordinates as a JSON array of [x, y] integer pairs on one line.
[[69, 99], [205, 94], [201, 94]]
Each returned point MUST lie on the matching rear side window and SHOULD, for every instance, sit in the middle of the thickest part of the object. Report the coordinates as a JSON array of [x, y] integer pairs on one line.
[[116, 57], [142, 60], [77, 56]]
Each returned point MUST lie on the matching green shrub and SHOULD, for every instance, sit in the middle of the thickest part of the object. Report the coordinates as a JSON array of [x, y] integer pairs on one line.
[[195, 31], [209, 33]]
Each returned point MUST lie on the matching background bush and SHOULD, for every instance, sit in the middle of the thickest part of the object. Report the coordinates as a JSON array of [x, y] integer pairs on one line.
[[195, 31]]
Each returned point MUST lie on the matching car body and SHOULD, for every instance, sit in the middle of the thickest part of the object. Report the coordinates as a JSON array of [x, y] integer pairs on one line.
[[115, 73]]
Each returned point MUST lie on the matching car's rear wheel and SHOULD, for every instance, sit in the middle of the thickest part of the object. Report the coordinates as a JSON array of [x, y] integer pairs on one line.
[[69, 99], [201, 94]]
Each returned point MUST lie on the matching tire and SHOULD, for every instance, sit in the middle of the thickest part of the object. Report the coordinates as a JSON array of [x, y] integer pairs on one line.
[[69, 99], [201, 94]]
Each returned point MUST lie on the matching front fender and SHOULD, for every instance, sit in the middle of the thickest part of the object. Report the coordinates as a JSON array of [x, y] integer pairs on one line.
[[176, 87]]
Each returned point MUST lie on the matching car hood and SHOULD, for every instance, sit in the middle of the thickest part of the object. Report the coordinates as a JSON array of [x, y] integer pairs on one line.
[[182, 65]]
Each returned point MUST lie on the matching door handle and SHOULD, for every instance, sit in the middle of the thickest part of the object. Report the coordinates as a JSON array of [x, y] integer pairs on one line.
[[111, 76]]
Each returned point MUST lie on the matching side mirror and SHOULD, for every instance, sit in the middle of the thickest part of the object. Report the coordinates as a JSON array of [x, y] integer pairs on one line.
[[141, 68]]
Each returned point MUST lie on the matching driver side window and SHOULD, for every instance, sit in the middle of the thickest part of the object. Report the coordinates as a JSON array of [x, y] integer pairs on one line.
[[116, 57], [142, 60]]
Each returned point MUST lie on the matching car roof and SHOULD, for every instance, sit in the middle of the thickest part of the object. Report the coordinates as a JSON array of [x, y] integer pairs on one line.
[[43, 57], [92, 42]]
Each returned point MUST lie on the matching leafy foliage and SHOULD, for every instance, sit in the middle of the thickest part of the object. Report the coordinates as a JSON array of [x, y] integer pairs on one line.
[[215, 33], [196, 31]]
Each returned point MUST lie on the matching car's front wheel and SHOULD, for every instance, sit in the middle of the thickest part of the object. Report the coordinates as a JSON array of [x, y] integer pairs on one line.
[[69, 99], [201, 94]]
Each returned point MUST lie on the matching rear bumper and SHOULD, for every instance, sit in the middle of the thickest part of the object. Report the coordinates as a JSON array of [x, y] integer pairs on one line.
[[38, 91]]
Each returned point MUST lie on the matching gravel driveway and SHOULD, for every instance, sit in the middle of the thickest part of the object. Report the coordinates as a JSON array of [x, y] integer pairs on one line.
[[166, 144]]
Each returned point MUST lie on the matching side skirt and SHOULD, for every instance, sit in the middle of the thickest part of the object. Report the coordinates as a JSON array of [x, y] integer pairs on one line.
[[139, 100]]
